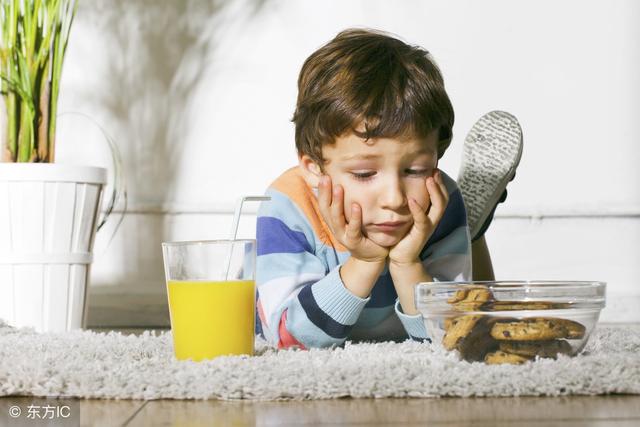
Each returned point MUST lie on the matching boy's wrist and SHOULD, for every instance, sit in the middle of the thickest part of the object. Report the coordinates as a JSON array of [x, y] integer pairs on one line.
[[413, 265], [405, 276], [359, 276], [373, 264], [365, 267]]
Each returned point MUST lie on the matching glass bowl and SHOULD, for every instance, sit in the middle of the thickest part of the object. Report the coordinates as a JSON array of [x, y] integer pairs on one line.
[[510, 321]]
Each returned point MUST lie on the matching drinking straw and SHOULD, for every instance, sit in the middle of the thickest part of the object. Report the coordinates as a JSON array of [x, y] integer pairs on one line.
[[238, 211], [236, 221]]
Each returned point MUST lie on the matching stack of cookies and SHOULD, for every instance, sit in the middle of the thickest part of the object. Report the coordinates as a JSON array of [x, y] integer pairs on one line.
[[494, 339]]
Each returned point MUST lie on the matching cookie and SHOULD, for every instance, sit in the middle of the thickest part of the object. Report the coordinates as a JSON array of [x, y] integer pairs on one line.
[[537, 329], [469, 334], [459, 328], [476, 344], [548, 349], [471, 299], [500, 357], [471, 295], [458, 296], [522, 305], [448, 322]]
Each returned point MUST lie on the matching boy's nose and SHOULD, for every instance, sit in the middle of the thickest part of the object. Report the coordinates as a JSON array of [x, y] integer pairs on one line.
[[393, 195]]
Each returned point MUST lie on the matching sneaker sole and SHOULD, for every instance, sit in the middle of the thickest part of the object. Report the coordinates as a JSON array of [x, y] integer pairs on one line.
[[491, 154]]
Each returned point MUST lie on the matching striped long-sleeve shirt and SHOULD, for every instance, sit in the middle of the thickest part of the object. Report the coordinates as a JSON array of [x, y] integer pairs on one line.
[[302, 300]]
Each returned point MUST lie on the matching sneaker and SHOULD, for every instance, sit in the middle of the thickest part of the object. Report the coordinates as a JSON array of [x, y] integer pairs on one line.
[[490, 156]]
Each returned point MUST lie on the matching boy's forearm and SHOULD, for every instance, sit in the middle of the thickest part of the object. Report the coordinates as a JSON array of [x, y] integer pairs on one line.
[[404, 277], [359, 276]]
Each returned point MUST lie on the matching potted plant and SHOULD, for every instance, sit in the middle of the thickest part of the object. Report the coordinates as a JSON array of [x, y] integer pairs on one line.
[[48, 211]]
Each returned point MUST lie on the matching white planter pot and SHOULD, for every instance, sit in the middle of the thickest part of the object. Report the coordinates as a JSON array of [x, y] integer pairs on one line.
[[48, 215]]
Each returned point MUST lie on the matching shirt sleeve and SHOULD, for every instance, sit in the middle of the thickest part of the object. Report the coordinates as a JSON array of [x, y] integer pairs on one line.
[[446, 256], [300, 301], [414, 325]]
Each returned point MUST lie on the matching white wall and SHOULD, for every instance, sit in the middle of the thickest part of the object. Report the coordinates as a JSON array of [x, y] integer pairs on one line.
[[199, 95]]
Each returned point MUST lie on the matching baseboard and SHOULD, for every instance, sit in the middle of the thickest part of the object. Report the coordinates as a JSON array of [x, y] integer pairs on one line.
[[118, 308]]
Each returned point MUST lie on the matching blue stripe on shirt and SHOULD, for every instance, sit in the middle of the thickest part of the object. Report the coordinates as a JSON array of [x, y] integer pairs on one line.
[[319, 318], [274, 236], [283, 208]]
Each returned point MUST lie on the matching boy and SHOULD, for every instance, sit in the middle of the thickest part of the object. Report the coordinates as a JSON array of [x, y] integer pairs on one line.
[[367, 213]]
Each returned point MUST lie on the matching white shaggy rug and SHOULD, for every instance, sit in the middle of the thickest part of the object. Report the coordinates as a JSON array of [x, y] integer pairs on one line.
[[86, 364]]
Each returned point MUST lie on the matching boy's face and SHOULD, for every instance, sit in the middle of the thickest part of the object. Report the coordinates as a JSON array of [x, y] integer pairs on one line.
[[380, 175]]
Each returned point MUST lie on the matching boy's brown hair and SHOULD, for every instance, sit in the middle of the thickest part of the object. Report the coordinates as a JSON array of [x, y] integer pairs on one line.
[[368, 76]]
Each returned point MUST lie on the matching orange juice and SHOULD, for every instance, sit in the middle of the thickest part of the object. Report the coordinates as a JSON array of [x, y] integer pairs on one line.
[[212, 318]]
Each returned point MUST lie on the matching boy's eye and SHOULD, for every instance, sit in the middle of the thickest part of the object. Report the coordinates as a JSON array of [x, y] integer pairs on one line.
[[418, 172], [363, 176]]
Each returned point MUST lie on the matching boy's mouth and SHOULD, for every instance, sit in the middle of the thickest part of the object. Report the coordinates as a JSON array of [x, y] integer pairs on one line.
[[389, 226]]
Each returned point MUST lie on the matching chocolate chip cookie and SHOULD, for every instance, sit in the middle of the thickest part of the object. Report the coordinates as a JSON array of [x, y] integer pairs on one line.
[[522, 305], [500, 357], [470, 299], [459, 328], [548, 349], [537, 329], [476, 344], [469, 334]]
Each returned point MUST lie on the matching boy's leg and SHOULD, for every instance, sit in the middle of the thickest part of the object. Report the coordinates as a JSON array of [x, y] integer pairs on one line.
[[481, 260], [491, 153]]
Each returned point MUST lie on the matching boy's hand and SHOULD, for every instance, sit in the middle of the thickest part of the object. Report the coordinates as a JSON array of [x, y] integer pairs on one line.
[[331, 203], [425, 219]]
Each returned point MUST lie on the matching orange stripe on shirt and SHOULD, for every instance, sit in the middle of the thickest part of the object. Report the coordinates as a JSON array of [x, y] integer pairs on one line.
[[286, 339], [296, 188], [261, 315]]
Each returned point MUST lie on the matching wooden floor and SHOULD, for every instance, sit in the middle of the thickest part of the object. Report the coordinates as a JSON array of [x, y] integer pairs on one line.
[[571, 411], [574, 411]]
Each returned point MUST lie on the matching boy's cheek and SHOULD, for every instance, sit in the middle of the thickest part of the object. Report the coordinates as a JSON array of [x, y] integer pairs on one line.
[[420, 197]]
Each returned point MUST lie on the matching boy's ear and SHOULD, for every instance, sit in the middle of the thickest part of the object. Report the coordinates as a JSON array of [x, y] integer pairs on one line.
[[310, 170]]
